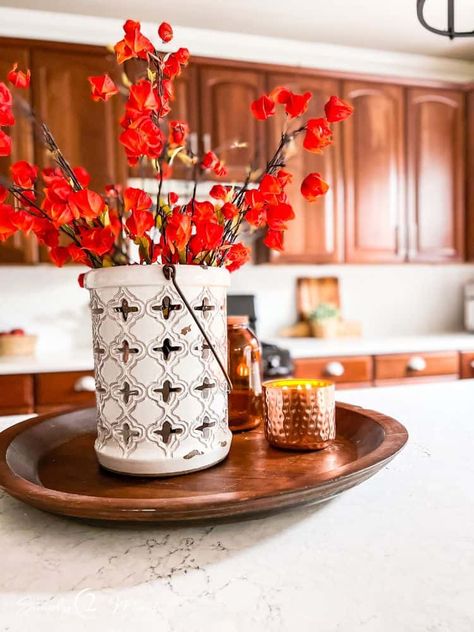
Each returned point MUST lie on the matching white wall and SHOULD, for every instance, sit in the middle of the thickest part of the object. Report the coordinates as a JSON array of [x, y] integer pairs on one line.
[[388, 300]]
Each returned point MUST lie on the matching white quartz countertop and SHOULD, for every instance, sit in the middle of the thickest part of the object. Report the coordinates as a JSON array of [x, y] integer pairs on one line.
[[82, 359], [395, 554], [317, 347]]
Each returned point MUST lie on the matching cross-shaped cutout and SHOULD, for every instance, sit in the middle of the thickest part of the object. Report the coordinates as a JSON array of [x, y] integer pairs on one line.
[[98, 350], [166, 431], [205, 307], [205, 387], [97, 310], [127, 392], [205, 425], [204, 348], [167, 389], [125, 309], [167, 348], [128, 433], [126, 350], [166, 307], [100, 389]]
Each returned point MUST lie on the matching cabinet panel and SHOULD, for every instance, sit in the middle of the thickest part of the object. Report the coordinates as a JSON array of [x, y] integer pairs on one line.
[[64, 389], [350, 369], [374, 173], [470, 176], [436, 175], [315, 235], [86, 131], [225, 98], [467, 365], [19, 248], [416, 365], [16, 394]]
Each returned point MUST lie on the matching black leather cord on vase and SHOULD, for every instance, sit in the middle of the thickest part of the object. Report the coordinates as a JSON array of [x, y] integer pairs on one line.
[[169, 272]]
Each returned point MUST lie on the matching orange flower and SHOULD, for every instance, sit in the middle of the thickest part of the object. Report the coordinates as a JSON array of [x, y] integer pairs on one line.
[[165, 32], [18, 78], [98, 241], [263, 107], [85, 204], [102, 87], [313, 186], [178, 231], [337, 110], [236, 256], [139, 222], [134, 43], [274, 239], [24, 174], [318, 135]]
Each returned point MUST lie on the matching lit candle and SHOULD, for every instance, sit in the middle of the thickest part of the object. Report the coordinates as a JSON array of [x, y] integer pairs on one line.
[[300, 414]]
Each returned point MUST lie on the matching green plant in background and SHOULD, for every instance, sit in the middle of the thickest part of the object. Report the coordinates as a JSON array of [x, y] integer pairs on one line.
[[324, 311]]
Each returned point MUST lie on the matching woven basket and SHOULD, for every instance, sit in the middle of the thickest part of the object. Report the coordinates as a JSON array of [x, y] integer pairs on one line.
[[16, 345]]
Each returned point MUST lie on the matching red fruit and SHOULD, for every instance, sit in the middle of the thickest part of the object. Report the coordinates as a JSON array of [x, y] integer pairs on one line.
[[17, 332]]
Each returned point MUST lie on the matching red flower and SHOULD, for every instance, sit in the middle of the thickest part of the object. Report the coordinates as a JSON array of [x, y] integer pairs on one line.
[[136, 199], [6, 116], [269, 186], [208, 236], [139, 222], [7, 226], [318, 135], [142, 138], [229, 210], [337, 110], [82, 176], [98, 241], [219, 192], [59, 255], [203, 211], [256, 217], [279, 215], [274, 239], [172, 198], [177, 231], [134, 43], [220, 169], [45, 232], [6, 98], [5, 144], [297, 104], [143, 98], [178, 132], [23, 221], [254, 198], [165, 32], [182, 55], [209, 160], [284, 177], [236, 256], [313, 186], [24, 174], [102, 87], [85, 204], [263, 107], [77, 255], [18, 78], [171, 66]]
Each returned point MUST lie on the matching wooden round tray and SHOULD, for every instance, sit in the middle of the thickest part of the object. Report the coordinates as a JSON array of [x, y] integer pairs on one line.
[[49, 462]]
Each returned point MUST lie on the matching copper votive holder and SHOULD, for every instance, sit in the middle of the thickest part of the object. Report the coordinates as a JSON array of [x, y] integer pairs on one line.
[[299, 414]]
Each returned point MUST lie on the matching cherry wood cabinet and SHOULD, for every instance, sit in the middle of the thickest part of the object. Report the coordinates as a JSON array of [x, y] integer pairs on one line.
[[16, 394], [416, 366], [344, 371], [470, 176], [467, 365], [225, 118], [86, 131], [316, 233], [19, 248], [374, 166], [435, 178], [63, 390]]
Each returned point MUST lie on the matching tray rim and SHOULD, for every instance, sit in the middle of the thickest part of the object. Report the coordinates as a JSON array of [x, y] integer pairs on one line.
[[224, 504]]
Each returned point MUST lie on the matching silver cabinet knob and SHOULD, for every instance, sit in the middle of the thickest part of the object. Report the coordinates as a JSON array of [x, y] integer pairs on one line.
[[416, 363], [334, 369], [85, 384]]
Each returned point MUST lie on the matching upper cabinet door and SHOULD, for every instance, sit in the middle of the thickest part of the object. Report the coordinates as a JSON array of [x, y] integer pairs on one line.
[[470, 174], [225, 97], [19, 248], [436, 175], [315, 235], [86, 131], [374, 173]]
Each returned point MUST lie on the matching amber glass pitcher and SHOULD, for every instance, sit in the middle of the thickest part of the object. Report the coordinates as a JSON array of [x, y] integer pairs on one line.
[[245, 371]]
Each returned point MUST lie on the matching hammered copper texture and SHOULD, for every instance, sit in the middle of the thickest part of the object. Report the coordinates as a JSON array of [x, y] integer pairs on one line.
[[300, 419]]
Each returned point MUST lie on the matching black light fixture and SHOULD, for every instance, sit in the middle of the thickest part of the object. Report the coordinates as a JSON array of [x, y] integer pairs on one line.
[[450, 32]]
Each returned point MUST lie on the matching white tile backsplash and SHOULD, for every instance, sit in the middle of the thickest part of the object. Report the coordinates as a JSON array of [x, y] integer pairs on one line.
[[389, 300]]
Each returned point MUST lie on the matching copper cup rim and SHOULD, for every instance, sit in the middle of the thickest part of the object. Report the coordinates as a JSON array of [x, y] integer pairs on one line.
[[292, 383]]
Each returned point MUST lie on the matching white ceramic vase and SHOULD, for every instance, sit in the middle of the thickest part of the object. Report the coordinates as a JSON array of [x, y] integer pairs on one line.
[[161, 395]]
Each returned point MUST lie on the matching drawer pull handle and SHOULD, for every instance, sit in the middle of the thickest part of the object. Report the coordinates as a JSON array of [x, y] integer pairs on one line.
[[416, 363], [334, 369], [85, 384]]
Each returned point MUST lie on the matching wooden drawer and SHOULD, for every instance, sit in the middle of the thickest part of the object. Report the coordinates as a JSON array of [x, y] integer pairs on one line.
[[64, 389], [347, 370], [16, 394], [467, 365], [412, 366]]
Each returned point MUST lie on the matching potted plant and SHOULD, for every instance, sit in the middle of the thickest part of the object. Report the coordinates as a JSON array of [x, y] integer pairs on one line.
[[159, 268]]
